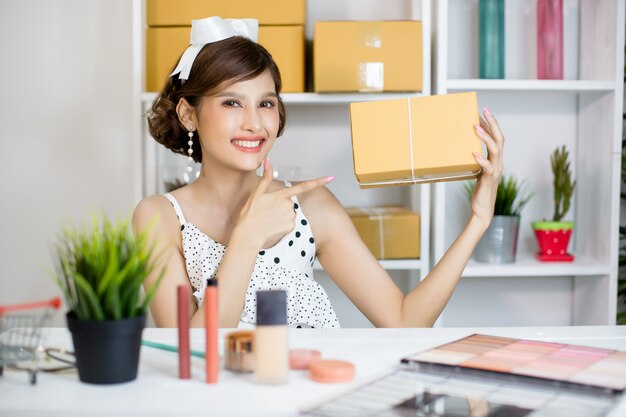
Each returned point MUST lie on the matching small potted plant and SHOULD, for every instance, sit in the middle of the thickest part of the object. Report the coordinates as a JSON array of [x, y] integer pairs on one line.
[[499, 243], [101, 271], [553, 236]]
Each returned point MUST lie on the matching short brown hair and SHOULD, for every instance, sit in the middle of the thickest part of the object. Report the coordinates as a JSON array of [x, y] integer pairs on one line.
[[226, 61]]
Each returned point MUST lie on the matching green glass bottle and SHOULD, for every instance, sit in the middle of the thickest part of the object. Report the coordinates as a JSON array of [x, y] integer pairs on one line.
[[491, 38]]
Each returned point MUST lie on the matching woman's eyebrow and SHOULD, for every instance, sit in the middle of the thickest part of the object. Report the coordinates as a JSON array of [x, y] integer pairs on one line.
[[239, 96], [229, 94]]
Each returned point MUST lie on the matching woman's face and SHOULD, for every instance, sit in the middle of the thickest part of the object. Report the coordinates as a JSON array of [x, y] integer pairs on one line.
[[238, 125]]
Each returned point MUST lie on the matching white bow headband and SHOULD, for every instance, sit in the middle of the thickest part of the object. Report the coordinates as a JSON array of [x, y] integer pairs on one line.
[[213, 29]]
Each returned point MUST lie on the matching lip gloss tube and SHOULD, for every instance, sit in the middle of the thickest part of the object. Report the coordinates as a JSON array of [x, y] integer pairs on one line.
[[210, 326], [184, 350]]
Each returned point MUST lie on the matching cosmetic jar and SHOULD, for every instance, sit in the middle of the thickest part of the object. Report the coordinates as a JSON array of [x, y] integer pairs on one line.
[[331, 371], [302, 358], [239, 351]]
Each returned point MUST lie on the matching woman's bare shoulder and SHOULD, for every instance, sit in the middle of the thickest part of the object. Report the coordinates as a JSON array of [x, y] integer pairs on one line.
[[155, 211], [320, 204]]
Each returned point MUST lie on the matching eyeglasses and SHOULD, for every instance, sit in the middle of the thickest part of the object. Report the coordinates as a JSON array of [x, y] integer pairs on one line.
[[50, 360], [56, 359]]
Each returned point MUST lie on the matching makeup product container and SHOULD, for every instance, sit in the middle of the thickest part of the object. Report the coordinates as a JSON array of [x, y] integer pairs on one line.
[[331, 371], [302, 358], [212, 360], [184, 350], [239, 351], [270, 341]]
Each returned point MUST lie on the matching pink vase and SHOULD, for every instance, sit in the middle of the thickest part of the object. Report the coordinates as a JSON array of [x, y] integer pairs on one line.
[[550, 39]]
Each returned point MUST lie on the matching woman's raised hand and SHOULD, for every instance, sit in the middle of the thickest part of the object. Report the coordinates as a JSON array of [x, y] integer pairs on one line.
[[484, 196], [268, 216]]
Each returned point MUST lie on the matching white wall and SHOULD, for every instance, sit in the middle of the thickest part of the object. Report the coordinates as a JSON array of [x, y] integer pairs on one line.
[[66, 123]]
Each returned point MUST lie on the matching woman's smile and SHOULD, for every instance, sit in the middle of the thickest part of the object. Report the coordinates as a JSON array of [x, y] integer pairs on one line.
[[248, 144]]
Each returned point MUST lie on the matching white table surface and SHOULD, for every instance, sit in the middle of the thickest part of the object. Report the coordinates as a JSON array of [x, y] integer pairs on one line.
[[157, 391]]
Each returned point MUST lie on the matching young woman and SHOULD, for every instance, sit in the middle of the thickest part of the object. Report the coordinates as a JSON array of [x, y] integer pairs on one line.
[[255, 233]]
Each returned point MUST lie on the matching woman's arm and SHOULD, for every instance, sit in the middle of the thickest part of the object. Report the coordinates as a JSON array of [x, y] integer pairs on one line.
[[438, 286], [266, 217], [361, 277], [155, 215]]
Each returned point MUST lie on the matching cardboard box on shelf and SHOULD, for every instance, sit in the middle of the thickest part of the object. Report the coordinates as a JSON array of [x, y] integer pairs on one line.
[[286, 44], [415, 140], [367, 56], [268, 12], [389, 232], [164, 45]]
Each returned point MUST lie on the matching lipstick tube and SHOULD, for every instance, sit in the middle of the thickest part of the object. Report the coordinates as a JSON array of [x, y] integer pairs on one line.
[[184, 350], [210, 326]]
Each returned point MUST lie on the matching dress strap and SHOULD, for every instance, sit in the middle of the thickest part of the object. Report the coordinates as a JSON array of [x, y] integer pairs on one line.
[[177, 209]]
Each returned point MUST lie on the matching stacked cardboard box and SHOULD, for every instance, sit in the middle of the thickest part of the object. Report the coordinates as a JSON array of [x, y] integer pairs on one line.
[[389, 232], [368, 56], [281, 32], [417, 139]]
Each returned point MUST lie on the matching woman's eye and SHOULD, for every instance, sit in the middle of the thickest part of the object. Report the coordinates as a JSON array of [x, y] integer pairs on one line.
[[231, 103], [267, 104]]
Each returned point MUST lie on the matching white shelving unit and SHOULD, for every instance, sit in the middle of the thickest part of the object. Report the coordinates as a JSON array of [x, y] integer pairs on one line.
[[317, 142], [572, 86], [584, 111]]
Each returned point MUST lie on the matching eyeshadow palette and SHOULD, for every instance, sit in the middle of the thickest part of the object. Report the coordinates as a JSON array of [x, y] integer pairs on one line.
[[564, 363], [407, 392], [489, 376]]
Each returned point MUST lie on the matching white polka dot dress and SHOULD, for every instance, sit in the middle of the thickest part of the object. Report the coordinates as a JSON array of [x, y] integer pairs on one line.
[[288, 266]]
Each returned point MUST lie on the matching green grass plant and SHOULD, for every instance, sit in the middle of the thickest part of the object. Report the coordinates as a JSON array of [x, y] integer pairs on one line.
[[101, 270]]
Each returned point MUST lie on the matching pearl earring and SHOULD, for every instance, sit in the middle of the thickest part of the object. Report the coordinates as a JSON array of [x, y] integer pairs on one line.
[[188, 177], [190, 143]]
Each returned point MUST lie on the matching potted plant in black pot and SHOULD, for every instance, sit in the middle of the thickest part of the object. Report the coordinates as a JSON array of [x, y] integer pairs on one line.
[[101, 270], [499, 243], [553, 236]]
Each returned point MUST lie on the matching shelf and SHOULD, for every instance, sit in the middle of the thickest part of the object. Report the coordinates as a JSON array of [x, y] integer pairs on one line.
[[330, 98], [391, 264], [572, 86], [528, 267], [323, 98]]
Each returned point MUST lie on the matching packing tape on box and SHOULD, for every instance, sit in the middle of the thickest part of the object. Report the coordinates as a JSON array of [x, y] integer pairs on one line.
[[371, 74], [368, 34], [408, 101], [380, 214]]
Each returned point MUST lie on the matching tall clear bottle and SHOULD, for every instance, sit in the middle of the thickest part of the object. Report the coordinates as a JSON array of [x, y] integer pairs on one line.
[[271, 348], [550, 39], [491, 38]]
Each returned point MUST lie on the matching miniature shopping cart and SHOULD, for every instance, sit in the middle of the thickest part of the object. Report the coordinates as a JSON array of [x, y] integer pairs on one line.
[[20, 333]]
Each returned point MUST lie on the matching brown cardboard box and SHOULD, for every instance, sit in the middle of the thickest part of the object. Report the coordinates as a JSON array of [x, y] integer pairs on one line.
[[417, 139], [268, 12], [390, 232], [286, 44], [367, 56]]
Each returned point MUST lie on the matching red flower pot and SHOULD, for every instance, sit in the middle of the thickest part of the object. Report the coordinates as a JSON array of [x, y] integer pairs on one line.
[[553, 239]]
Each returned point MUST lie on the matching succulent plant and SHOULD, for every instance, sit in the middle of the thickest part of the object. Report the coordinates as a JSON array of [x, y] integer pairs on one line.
[[563, 184]]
